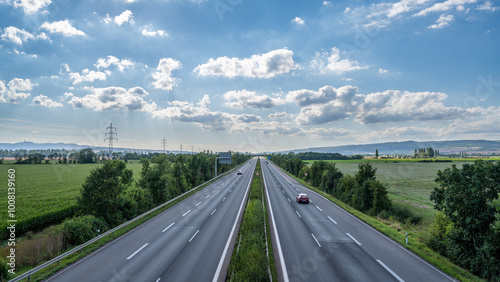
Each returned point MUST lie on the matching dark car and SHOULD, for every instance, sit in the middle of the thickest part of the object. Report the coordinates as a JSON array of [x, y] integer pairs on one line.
[[239, 172], [302, 198]]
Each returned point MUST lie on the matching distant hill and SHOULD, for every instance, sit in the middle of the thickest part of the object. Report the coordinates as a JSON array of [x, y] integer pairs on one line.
[[408, 147]]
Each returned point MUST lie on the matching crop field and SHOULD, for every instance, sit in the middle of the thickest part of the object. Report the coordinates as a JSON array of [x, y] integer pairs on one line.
[[409, 183], [46, 188]]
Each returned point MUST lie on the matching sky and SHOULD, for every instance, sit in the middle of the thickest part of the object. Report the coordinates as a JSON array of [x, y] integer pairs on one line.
[[248, 76]]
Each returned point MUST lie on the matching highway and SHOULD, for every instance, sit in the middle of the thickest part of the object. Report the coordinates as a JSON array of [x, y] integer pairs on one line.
[[188, 242], [320, 241]]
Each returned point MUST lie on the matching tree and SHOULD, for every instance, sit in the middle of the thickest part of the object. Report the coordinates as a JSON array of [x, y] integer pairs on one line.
[[376, 153], [101, 194], [330, 178], [380, 199], [366, 172], [467, 196], [86, 156]]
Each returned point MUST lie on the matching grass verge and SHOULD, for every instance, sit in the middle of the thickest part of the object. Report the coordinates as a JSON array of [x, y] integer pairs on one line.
[[414, 244], [253, 259]]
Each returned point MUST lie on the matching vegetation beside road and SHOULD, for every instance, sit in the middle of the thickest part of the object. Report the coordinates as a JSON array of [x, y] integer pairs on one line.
[[253, 258]]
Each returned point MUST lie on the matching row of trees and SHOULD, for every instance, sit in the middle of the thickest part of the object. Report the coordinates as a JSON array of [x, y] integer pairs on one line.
[[111, 193], [467, 229], [363, 191]]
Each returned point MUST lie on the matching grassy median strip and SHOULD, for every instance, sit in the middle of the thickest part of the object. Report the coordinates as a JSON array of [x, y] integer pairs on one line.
[[252, 258]]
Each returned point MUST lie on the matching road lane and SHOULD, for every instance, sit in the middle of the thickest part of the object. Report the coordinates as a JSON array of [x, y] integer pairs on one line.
[[184, 243], [349, 247]]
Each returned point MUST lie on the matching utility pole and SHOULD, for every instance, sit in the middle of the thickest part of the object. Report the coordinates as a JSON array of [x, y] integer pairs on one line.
[[111, 137], [164, 144], [181, 149]]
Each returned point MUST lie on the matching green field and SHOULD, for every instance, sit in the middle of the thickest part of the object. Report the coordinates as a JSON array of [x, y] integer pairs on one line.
[[45, 188], [409, 183]]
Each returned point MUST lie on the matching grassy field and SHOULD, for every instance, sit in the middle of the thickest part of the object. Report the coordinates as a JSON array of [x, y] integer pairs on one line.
[[409, 183], [45, 188]]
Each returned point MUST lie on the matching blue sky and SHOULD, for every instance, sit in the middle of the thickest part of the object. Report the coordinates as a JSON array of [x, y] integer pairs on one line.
[[248, 75]]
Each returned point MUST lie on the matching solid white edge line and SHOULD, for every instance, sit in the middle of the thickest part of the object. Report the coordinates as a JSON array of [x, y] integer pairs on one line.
[[221, 262], [168, 227], [353, 239], [280, 252], [390, 271], [135, 253], [194, 235], [316, 240], [332, 220]]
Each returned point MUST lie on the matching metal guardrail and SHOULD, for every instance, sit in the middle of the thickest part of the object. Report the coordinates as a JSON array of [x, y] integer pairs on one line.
[[76, 249]]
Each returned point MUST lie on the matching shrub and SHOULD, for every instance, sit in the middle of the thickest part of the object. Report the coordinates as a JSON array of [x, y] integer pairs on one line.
[[78, 230]]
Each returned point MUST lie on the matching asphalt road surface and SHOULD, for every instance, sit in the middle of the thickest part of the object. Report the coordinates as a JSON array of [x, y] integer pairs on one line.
[[320, 241], [188, 242]]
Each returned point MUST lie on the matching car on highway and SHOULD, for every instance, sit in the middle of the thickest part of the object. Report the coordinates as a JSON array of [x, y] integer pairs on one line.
[[302, 198], [239, 172]]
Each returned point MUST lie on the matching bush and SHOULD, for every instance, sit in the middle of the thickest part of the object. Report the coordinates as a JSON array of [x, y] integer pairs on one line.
[[79, 230], [404, 215], [4, 271]]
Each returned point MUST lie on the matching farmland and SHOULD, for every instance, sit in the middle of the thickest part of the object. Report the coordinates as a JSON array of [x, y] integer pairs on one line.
[[46, 188]]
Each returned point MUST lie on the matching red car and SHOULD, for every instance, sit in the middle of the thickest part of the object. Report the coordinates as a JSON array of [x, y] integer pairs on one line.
[[302, 198]]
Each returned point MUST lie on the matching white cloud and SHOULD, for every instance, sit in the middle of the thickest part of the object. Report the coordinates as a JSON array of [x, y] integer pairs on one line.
[[444, 6], [199, 114], [163, 75], [44, 101], [19, 36], [67, 96], [342, 96], [443, 21], [487, 6], [105, 63], [149, 31], [15, 90], [399, 106], [298, 21], [63, 27], [262, 66], [327, 3], [382, 71], [88, 76], [330, 133], [278, 115], [249, 99], [326, 105], [126, 16], [34, 56], [114, 98], [31, 6], [333, 62]]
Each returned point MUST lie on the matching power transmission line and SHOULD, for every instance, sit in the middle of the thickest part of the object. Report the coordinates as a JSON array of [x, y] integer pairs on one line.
[[111, 137]]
